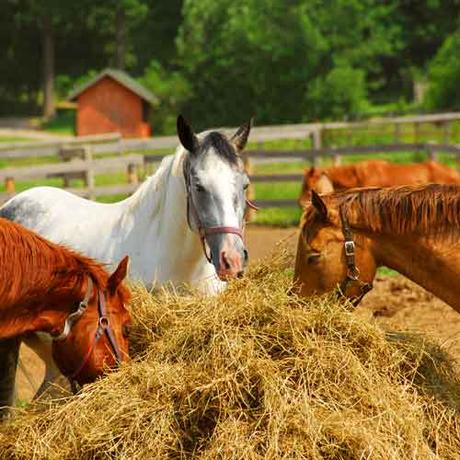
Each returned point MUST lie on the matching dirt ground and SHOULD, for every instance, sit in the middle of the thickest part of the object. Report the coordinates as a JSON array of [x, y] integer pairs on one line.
[[395, 302]]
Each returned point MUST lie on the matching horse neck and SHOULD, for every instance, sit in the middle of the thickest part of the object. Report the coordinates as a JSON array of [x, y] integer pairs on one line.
[[434, 265], [41, 308], [343, 177], [159, 211]]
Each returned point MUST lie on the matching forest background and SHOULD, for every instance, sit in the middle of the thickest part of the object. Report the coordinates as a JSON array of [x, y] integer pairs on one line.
[[221, 61]]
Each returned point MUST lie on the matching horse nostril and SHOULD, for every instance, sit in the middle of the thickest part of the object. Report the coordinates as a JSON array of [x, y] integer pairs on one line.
[[240, 274], [225, 261], [246, 255]]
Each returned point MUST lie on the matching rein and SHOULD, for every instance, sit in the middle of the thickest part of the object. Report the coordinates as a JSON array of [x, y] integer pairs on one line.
[[103, 328], [353, 273]]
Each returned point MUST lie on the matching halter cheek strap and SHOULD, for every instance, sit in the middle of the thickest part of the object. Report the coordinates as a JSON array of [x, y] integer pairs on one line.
[[206, 231], [353, 273], [103, 328]]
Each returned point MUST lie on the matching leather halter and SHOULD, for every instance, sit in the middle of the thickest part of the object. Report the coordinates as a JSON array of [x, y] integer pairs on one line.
[[353, 273], [103, 327], [206, 231]]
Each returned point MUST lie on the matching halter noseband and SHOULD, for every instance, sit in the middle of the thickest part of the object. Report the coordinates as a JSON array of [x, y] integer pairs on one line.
[[350, 260], [103, 327], [206, 231]]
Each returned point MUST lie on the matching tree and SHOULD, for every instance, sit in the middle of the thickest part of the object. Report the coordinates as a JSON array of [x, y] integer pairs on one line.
[[257, 56], [444, 76]]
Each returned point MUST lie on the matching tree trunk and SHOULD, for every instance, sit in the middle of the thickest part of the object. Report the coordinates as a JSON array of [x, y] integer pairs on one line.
[[48, 67], [120, 37]]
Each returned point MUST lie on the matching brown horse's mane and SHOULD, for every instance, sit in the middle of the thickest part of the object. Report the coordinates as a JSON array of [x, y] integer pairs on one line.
[[28, 259], [429, 209]]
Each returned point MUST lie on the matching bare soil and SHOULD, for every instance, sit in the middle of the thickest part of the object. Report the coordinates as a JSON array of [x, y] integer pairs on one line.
[[395, 302]]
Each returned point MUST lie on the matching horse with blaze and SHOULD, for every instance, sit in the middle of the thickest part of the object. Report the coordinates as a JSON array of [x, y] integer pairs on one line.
[[345, 236], [183, 226], [48, 288]]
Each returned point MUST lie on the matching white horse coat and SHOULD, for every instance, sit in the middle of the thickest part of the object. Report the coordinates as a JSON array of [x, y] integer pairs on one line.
[[150, 226]]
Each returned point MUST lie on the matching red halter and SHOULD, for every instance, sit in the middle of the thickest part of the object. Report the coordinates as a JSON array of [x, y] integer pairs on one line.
[[103, 328]]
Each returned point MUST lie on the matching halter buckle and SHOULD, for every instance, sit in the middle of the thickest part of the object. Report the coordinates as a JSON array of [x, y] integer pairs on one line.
[[104, 322], [349, 247]]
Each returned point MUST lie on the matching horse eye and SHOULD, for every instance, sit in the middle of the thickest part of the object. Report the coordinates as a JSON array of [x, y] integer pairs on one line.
[[245, 186], [199, 188], [125, 330], [313, 258]]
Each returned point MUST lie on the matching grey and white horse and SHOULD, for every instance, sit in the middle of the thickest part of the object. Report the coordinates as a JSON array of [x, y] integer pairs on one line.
[[182, 226]]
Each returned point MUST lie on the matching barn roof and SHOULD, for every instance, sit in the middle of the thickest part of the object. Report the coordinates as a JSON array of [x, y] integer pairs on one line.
[[121, 77]]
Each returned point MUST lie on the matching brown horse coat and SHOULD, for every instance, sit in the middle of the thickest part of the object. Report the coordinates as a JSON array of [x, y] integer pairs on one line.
[[374, 173]]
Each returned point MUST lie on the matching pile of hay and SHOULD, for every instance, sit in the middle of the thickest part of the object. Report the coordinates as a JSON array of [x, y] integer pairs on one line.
[[253, 373]]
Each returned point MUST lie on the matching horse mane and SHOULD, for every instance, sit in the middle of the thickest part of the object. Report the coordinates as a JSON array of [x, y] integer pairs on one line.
[[29, 260], [428, 209], [221, 145]]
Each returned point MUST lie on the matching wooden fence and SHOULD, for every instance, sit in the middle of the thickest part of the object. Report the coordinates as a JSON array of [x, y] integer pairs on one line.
[[312, 156], [84, 157], [77, 162]]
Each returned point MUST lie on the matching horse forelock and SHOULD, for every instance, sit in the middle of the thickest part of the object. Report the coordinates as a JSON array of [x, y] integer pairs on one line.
[[221, 146], [429, 209]]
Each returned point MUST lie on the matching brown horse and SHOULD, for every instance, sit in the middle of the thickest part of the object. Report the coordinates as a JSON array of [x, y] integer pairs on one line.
[[415, 230], [46, 287], [372, 173]]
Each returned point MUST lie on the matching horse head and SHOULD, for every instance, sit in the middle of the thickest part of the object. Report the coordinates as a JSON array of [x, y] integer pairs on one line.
[[314, 179], [216, 185], [329, 255], [95, 335]]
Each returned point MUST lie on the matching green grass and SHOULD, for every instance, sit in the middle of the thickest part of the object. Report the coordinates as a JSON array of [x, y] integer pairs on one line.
[[62, 123], [13, 139]]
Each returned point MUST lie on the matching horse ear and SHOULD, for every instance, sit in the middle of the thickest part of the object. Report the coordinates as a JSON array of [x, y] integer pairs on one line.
[[118, 275], [319, 205], [240, 138], [324, 184], [311, 171], [186, 134]]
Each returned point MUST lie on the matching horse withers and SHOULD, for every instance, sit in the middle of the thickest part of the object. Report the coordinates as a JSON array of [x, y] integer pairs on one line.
[[345, 236], [49, 288]]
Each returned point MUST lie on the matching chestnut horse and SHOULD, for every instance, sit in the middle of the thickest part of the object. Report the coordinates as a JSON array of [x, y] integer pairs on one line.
[[46, 287], [379, 173], [415, 230]]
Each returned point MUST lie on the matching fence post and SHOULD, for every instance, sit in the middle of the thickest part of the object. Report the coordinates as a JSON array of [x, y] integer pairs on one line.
[[250, 192], [89, 173], [337, 159], [431, 151], [10, 185], [316, 138], [133, 177]]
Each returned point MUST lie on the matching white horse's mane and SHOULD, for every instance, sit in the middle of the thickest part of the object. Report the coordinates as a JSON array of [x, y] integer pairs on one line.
[[170, 166]]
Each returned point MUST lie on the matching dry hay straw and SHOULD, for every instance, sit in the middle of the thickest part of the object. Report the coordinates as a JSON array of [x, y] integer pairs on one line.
[[254, 373]]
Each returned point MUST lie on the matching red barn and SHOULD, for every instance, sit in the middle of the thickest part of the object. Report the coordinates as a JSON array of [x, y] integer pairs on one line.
[[113, 102]]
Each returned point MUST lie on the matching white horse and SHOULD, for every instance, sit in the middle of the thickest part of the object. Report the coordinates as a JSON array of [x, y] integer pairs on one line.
[[182, 226]]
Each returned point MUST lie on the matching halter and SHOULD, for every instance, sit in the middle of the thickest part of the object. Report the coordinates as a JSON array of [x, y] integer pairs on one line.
[[206, 231], [103, 327], [352, 270]]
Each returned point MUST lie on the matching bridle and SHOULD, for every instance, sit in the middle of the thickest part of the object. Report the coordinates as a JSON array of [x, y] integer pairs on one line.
[[353, 273], [103, 328], [204, 231]]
